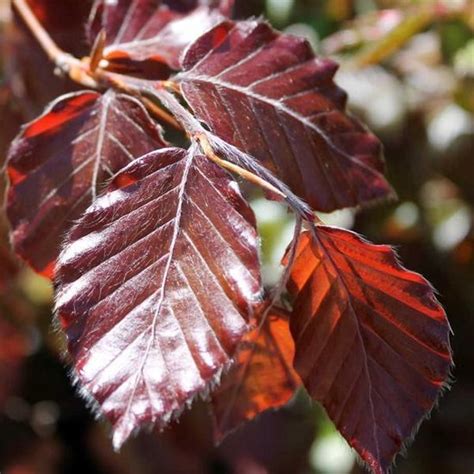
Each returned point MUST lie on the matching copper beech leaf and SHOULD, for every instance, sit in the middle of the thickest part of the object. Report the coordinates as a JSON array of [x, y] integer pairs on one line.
[[262, 377], [59, 163], [144, 36], [372, 342], [269, 95], [156, 285]]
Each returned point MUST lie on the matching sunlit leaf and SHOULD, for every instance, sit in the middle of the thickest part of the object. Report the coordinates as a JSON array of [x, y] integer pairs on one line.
[[262, 377], [60, 162], [371, 340], [156, 285], [267, 94]]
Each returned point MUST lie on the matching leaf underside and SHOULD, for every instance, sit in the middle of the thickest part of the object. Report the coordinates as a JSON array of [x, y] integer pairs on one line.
[[144, 35], [59, 163], [372, 342], [156, 286], [267, 94], [262, 376]]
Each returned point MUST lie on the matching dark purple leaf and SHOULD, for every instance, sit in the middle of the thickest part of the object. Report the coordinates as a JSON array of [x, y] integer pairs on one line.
[[60, 162], [156, 286], [146, 34], [267, 94]]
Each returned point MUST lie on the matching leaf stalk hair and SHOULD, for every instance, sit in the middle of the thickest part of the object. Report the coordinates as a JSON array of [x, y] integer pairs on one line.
[[247, 175]]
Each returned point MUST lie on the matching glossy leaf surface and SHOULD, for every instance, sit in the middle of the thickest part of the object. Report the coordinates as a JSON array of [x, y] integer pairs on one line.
[[60, 162], [262, 377], [372, 342], [156, 286], [146, 33], [267, 94]]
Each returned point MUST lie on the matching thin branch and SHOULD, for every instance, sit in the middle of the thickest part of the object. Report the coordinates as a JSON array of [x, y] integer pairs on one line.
[[280, 287], [251, 177], [65, 62], [161, 114], [188, 122], [41, 35], [89, 73]]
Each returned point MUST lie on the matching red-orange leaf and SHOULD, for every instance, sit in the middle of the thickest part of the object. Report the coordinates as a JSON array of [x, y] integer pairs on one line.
[[60, 162], [270, 96], [372, 342], [156, 285], [262, 377]]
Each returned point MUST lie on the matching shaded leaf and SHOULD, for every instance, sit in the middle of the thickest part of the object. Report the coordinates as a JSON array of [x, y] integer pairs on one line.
[[156, 285], [262, 377], [14, 347], [64, 21], [372, 342], [60, 161], [267, 94], [148, 35]]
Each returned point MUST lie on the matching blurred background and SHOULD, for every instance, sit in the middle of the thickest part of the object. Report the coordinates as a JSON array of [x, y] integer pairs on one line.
[[408, 67]]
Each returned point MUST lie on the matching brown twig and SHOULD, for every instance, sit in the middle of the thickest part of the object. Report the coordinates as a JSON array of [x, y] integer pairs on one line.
[[65, 62], [247, 175], [41, 35], [158, 112], [88, 72]]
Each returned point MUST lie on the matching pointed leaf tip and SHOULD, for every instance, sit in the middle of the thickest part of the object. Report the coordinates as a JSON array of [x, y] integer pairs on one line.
[[155, 288], [261, 378]]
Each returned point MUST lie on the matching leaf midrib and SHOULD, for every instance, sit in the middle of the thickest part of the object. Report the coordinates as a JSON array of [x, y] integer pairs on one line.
[[176, 229]]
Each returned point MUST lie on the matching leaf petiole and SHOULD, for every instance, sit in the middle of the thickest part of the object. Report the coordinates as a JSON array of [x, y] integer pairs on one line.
[[247, 175]]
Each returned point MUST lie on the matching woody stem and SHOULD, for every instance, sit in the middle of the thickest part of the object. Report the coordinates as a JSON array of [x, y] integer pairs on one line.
[[64, 61]]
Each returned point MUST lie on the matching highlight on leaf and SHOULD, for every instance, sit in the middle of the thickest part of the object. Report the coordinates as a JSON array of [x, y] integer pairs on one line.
[[60, 162], [147, 37], [156, 285], [262, 376], [371, 340], [270, 96]]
